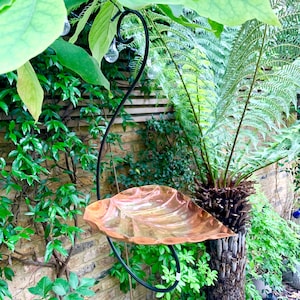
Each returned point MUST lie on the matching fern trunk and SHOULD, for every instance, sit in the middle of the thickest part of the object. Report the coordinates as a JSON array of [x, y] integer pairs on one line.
[[228, 255]]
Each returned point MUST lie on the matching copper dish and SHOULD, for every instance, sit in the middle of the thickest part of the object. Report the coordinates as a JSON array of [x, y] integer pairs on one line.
[[152, 215]]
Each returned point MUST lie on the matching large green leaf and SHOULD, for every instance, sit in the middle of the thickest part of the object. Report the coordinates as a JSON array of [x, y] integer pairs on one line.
[[79, 61], [27, 28], [42, 288], [227, 12], [30, 90], [103, 31]]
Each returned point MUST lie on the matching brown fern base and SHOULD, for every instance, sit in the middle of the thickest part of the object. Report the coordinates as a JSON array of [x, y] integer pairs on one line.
[[228, 255], [229, 205]]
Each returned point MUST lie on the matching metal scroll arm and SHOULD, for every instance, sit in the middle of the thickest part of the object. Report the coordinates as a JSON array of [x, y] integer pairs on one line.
[[132, 86]]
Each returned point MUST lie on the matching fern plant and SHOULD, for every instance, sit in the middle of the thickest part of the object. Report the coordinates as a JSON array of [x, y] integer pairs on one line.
[[231, 93], [232, 97]]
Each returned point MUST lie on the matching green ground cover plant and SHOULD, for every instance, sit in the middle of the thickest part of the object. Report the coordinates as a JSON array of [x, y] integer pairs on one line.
[[273, 244]]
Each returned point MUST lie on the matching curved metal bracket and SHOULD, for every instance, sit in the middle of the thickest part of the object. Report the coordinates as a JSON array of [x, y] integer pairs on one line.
[[142, 282], [132, 86]]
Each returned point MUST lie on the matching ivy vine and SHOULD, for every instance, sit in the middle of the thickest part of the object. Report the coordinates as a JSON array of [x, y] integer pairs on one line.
[[40, 167]]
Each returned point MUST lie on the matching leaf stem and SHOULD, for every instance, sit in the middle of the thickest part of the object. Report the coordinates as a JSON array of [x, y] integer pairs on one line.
[[246, 106]]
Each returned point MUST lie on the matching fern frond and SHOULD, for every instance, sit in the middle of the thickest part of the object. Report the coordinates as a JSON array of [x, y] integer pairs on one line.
[[232, 95]]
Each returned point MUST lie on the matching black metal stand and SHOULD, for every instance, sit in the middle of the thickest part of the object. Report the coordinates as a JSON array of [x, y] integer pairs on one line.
[[142, 282], [132, 86]]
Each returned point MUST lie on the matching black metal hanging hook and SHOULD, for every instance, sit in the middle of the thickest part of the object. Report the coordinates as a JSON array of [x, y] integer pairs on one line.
[[132, 86], [103, 141]]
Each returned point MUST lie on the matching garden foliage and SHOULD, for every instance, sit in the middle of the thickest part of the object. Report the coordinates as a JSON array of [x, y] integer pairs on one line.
[[40, 173]]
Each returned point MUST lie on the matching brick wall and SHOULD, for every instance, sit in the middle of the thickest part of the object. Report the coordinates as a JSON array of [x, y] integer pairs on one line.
[[277, 184]]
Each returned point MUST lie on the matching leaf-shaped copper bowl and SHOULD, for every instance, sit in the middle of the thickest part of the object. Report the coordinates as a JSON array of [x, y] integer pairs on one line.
[[154, 214]]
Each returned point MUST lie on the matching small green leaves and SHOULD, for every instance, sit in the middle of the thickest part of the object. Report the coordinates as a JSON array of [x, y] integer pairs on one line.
[[42, 288], [4, 291], [60, 287], [30, 90], [4, 213], [74, 289], [79, 61], [103, 31], [54, 245], [8, 273], [27, 28], [227, 12]]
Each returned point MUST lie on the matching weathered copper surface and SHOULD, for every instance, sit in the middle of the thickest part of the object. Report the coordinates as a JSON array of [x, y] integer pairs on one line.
[[154, 214]]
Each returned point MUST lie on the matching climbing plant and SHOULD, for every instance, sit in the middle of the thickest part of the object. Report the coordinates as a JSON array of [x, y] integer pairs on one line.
[[163, 160], [40, 172]]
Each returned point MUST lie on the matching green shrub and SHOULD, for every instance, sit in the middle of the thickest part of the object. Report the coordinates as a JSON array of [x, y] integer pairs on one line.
[[164, 159], [273, 244], [40, 167], [158, 263]]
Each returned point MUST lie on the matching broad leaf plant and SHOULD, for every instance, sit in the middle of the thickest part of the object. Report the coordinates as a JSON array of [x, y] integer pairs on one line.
[[29, 27]]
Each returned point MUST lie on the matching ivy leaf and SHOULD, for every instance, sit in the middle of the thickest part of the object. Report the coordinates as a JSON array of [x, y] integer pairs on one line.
[[30, 90], [227, 12], [60, 287], [27, 28], [78, 60], [103, 30], [42, 288]]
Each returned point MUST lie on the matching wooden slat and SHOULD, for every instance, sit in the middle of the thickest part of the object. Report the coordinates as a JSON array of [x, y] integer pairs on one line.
[[141, 107], [73, 123], [147, 102], [144, 118]]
